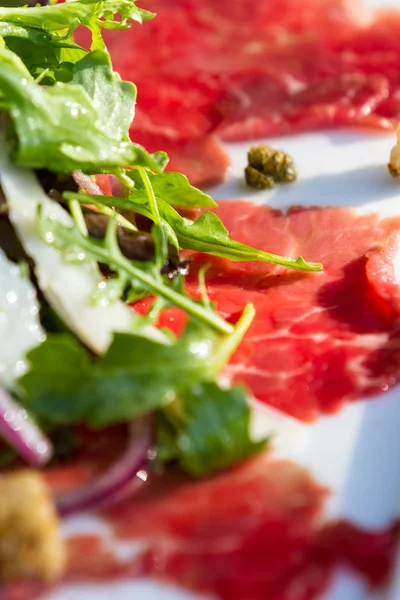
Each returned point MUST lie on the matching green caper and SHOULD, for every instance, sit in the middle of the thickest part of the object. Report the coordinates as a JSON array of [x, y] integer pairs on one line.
[[257, 179], [267, 166]]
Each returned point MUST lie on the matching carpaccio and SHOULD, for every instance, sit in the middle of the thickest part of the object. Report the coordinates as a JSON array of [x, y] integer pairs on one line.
[[244, 70], [256, 532], [318, 340], [233, 70]]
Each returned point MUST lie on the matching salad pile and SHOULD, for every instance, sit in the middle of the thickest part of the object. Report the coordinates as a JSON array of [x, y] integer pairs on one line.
[[93, 226]]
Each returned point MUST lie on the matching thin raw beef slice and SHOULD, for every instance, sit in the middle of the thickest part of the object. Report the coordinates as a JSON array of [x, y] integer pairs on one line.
[[253, 533], [243, 70], [318, 340]]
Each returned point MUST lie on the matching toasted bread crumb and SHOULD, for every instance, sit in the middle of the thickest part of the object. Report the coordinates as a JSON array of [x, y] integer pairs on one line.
[[30, 540]]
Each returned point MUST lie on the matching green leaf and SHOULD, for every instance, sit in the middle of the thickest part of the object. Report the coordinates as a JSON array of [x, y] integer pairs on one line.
[[142, 276], [41, 50], [64, 385], [173, 188], [110, 290], [37, 36], [210, 430], [64, 18], [59, 356], [207, 234], [161, 158], [113, 99], [59, 128]]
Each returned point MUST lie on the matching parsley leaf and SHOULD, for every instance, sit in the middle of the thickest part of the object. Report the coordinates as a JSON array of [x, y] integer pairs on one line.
[[209, 431], [65, 385]]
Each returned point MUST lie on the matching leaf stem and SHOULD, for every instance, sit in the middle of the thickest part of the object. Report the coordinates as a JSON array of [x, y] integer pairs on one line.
[[229, 345], [124, 179], [183, 302], [109, 212], [150, 194], [111, 255], [77, 214], [202, 285], [241, 252], [42, 75]]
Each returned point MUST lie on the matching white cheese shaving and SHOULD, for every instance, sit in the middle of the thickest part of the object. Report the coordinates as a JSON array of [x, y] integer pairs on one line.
[[67, 287], [20, 328]]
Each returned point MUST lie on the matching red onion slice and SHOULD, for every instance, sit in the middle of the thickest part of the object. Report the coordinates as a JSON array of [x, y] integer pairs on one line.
[[117, 188], [17, 428], [87, 183], [130, 470]]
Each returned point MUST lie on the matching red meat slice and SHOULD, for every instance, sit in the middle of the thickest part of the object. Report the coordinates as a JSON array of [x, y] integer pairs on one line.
[[318, 339], [382, 275], [247, 71], [237, 535], [346, 78], [256, 107], [204, 161], [250, 534]]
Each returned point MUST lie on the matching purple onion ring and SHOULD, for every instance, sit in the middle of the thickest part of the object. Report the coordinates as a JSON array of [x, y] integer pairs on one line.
[[18, 429], [129, 471]]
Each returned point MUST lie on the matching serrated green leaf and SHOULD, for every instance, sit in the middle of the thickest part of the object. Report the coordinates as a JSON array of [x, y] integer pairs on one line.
[[113, 99], [37, 36], [65, 17], [41, 50], [59, 128], [173, 188], [144, 276], [207, 234]]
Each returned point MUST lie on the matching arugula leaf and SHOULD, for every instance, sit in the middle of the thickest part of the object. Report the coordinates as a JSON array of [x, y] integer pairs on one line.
[[209, 431], [59, 128], [64, 385], [66, 17], [78, 247], [113, 99], [207, 234], [173, 188]]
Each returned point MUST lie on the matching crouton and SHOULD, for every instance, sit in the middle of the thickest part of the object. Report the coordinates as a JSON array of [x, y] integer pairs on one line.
[[30, 540]]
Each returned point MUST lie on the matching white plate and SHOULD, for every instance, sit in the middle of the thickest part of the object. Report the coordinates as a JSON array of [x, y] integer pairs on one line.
[[356, 452]]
